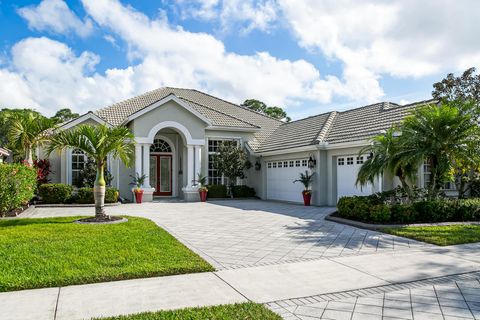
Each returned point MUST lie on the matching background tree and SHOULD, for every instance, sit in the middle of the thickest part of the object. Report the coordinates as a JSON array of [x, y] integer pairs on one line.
[[384, 157], [462, 89], [230, 161], [65, 114], [259, 106], [28, 129], [98, 142]]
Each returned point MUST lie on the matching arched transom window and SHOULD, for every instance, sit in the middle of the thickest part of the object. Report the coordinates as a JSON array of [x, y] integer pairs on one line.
[[160, 145]]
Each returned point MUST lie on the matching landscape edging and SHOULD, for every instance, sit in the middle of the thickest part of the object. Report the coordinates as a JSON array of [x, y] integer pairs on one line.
[[376, 227]]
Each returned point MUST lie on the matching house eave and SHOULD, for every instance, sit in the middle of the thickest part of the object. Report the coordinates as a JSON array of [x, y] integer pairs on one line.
[[82, 118], [227, 128]]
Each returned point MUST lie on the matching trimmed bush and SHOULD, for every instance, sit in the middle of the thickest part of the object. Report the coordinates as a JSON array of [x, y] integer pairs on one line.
[[17, 186], [85, 195], [367, 209], [217, 191], [243, 192], [55, 192]]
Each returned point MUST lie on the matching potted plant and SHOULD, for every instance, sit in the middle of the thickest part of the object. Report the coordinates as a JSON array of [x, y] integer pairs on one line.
[[138, 181], [202, 189], [306, 179]]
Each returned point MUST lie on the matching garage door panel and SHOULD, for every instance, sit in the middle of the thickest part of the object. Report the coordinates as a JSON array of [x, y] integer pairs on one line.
[[280, 177], [347, 171]]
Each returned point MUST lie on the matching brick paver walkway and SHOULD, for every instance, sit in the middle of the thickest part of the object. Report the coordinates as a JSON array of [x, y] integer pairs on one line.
[[450, 299]]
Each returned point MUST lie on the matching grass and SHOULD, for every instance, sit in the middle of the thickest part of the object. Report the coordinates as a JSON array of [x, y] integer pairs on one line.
[[36, 253], [241, 311], [439, 235]]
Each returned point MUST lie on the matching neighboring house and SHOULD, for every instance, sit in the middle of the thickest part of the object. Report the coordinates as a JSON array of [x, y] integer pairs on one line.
[[179, 130], [4, 154]]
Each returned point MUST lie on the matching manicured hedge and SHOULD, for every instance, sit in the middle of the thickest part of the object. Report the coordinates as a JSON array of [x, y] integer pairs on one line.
[[372, 209], [17, 186], [85, 195], [243, 192], [217, 191], [55, 193]]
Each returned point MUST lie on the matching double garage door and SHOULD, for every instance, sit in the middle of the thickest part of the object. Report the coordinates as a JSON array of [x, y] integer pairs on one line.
[[281, 174], [280, 177]]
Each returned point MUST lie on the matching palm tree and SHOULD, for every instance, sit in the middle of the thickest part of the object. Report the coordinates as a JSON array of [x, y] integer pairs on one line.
[[29, 129], [442, 135], [384, 157], [98, 142]]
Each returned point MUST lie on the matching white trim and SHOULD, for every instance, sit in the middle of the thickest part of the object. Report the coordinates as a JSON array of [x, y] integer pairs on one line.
[[169, 98], [227, 128], [322, 146], [170, 124], [286, 151], [82, 118]]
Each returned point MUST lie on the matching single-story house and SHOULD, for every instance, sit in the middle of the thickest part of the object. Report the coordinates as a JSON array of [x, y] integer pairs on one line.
[[179, 130]]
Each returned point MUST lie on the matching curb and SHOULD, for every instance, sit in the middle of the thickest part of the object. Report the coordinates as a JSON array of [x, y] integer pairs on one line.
[[376, 227], [74, 205]]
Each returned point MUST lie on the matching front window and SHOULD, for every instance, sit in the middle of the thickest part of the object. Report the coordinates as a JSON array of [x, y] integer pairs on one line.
[[78, 164], [214, 177]]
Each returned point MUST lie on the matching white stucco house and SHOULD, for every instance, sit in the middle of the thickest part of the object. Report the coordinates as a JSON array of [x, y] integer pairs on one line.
[[178, 130]]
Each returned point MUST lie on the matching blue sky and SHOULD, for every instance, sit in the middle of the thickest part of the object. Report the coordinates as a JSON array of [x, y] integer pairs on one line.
[[306, 56]]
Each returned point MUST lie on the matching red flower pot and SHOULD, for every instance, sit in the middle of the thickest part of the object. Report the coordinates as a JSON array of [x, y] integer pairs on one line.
[[307, 197], [138, 196], [203, 195]]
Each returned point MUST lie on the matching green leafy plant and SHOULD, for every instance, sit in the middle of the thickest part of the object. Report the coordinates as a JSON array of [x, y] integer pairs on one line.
[[217, 191], [306, 179], [55, 192], [230, 161], [17, 186], [243, 192], [202, 182], [89, 173], [138, 180]]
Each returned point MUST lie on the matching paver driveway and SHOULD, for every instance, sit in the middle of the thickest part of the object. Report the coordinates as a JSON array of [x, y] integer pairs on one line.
[[239, 233]]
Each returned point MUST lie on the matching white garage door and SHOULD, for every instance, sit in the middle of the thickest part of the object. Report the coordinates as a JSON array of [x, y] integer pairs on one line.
[[280, 177], [347, 169]]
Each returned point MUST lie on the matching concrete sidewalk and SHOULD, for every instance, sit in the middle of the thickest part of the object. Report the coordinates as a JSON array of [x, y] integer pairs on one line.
[[260, 284]]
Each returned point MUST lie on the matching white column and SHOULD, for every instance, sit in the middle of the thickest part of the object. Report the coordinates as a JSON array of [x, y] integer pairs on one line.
[[198, 161], [138, 159], [190, 168], [146, 165]]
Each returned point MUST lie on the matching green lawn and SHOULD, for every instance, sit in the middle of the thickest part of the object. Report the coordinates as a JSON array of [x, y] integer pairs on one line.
[[440, 235], [49, 252], [241, 311]]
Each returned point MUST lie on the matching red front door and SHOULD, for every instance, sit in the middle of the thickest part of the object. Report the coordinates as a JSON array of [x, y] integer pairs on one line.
[[161, 174]]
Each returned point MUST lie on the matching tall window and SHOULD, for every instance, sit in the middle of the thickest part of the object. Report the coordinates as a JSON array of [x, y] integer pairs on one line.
[[214, 177], [78, 164]]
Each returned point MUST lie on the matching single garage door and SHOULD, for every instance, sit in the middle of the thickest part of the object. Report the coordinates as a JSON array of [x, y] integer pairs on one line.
[[280, 177], [347, 170]]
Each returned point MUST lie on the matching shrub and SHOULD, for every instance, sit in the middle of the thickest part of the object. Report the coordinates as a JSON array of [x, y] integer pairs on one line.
[[217, 191], [55, 192], [243, 192], [17, 186], [43, 170], [368, 209], [85, 195], [88, 175]]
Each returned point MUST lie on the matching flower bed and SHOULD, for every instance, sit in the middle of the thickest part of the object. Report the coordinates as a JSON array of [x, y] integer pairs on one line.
[[375, 209]]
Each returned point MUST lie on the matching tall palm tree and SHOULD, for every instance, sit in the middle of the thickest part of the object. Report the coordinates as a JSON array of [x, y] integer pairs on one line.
[[384, 157], [98, 142], [442, 135], [29, 129]]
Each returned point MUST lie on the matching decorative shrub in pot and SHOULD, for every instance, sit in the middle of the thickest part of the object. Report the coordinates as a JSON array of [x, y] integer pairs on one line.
[[202, 189], [306, 179], [138, 181]]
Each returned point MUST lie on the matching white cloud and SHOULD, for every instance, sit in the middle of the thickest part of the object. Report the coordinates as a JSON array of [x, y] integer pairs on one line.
[[55, 16], [402, 38], [247, 15]]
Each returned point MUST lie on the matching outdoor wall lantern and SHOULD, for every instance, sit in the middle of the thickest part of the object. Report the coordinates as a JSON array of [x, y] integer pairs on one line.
[[258, 165], [312, 162]]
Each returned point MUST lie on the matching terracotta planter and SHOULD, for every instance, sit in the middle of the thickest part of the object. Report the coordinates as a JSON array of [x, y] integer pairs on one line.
[[307, 197], [203, 195], [138, 196]]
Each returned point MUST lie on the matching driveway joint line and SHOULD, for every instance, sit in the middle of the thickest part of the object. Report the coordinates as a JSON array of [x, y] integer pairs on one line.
[[466, 302], [228, 284], [56, 304]]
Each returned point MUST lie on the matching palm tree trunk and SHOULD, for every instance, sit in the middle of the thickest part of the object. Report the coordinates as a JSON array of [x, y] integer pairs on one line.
[[406, 187], [99, 191], [29, 156]]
